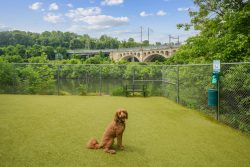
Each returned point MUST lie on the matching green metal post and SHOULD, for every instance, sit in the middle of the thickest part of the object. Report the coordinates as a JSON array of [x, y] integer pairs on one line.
[[218, 106]]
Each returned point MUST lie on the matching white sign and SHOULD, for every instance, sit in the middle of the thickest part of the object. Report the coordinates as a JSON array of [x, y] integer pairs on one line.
[[216, 66]]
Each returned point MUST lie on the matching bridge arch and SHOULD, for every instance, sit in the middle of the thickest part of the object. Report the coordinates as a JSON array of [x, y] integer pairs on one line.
[[129, 57], [150, 57]]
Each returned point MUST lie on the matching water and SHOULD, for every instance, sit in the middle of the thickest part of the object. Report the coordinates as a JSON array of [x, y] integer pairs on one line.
[[97, 86]]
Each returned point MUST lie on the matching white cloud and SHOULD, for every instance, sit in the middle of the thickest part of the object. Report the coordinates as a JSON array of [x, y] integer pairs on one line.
[[144, 14], [183, 9], [53, 6], [161, 13], [122, 32], [70, 5], [93, 20], [53, 18], [36, 6], [112, 2], [99, 22], [79, 13], [5, 28], [104, 21]]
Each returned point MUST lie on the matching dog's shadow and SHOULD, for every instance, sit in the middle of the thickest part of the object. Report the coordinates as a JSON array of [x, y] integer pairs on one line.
[[129, 149]]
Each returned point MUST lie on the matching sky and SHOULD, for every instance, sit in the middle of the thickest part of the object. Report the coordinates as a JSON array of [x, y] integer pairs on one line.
[[121, 19]]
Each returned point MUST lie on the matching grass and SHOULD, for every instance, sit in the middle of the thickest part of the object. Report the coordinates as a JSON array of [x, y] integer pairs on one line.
[[53, 130]]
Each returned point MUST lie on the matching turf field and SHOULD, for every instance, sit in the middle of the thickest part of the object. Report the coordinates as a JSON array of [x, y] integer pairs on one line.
[[53, 130]]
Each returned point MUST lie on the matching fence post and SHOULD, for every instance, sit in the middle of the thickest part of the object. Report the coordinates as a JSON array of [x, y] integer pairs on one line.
[[218, 106], [162, 81], [178, 85], [100, 81], [58, 79], [134, 76], [13, 79]]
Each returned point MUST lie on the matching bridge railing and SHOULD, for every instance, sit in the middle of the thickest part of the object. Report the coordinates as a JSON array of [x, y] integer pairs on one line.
[[77, 51]]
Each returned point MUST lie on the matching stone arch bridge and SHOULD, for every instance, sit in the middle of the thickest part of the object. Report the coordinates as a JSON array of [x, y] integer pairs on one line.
[[132, 54]]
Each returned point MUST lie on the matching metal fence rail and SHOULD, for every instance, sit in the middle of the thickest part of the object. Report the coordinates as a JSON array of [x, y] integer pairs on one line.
[[186, 84]]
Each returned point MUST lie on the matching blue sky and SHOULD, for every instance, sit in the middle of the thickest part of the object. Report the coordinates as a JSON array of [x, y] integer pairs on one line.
[[117, 18]]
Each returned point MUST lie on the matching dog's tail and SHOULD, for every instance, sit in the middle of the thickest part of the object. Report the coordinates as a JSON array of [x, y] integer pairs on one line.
[[93, 144]]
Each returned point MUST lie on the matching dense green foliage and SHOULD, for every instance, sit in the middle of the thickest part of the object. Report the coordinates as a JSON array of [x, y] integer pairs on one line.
[[18, 46], [62, 40], [224, 27], [27, 79], [40, 78], [224, 34]]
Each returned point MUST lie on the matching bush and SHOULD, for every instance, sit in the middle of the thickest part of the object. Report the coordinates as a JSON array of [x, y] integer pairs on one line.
[[64, 93], [118, 92], [37, 80], [82, 90]]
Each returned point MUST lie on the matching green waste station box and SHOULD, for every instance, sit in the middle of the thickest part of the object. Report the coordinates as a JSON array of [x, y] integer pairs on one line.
[[212, 97]]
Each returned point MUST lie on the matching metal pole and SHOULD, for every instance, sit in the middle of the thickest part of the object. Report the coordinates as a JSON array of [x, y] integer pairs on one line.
[[148, 35], [100, 82], [178, 85], [141, 34], [134, 77], [218, 106], [58, 79], [13, 79], [162, 80]]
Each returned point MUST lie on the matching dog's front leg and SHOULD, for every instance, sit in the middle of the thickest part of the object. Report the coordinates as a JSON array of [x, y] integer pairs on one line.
[[119, 142], [107, 147]]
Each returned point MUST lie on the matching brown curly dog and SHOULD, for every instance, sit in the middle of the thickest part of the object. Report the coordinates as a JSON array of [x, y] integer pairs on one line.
[[114, 130]]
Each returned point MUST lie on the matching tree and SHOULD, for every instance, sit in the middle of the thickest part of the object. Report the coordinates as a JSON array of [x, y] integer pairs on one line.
[[129, 44], [158, 43], [49, 51], [145, 43], [224, 27], [76, 44], [35, 50]]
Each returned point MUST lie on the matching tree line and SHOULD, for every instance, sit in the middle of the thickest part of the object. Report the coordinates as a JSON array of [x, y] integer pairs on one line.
[[65, 40], [20, 45]]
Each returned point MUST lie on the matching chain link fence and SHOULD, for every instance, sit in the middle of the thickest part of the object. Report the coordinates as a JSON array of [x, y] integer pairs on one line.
[[234, 108], [77, 79], [186, 84], [189, 84]]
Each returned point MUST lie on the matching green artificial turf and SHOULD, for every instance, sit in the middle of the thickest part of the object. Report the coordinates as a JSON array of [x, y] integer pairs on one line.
[[53, 131]]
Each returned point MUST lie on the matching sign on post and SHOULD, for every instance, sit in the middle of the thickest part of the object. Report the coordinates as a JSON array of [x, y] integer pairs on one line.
[[216, 66], [216, 71]]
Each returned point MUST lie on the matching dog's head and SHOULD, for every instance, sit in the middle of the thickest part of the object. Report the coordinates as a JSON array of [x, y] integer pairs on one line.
[[121, 115]]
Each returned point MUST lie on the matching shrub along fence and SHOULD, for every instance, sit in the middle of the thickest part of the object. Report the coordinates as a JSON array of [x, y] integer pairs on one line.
[[185, 84]]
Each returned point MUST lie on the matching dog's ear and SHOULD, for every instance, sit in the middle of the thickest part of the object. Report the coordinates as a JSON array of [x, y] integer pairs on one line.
[[116, 115], [125, 111]]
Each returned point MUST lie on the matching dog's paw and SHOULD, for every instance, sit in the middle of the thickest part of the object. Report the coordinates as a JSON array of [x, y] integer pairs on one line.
[[121, 147], [110, 151]]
